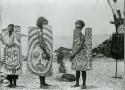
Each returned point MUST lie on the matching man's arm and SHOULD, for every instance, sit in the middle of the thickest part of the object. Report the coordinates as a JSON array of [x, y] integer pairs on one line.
[[79, 49], [7, 41], [43, 45]]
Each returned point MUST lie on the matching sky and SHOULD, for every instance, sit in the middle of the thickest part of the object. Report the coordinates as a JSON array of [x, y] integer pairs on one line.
[[61, 14]]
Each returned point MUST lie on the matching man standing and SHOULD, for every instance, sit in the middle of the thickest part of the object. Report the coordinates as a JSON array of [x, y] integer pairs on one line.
[[40, 50], [11, 61], [79, 57]]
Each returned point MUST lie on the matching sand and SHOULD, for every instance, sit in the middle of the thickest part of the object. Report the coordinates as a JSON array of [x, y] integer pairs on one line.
[[101, 77]]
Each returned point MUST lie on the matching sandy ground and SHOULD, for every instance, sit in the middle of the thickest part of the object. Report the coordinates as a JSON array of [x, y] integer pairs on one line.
[[101, 77]]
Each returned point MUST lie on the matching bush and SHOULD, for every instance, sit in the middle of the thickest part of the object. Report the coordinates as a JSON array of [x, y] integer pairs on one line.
[[104, 48], [112, 47]]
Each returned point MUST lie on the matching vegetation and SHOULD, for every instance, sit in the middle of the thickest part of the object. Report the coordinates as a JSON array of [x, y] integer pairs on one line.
[[66, 52], [112, 47], [104, 49]]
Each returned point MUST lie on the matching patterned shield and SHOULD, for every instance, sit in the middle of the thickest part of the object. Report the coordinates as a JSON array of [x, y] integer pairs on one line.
[[37, 63], [12, 55], [88, 43]]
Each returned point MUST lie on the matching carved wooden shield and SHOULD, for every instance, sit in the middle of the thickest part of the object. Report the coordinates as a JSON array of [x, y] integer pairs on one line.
[[88, 43], [12, 55], [37, 64]]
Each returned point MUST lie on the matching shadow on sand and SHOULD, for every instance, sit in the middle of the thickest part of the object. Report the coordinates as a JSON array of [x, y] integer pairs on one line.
[[118, 77], [13, 88], [53, 87], [91, 87]]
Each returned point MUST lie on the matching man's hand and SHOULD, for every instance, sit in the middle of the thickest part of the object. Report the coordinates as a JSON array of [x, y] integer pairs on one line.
[[45, 54]]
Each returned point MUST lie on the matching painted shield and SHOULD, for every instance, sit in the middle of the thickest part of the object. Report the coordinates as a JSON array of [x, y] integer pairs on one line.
[[12, 55], [88, 43], [36, 62]]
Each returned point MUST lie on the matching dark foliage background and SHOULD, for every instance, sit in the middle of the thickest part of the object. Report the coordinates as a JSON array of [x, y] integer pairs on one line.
[[112, 47]]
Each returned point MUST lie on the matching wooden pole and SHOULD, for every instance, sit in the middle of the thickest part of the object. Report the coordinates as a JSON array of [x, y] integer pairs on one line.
[[0, 28], [124, 39], [116, 54]]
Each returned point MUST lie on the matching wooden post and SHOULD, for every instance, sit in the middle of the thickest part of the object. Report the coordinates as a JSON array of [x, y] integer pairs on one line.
[[0, 27], [124, 40]]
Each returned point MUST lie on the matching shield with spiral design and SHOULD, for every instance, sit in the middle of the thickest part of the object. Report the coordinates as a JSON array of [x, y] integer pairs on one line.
[[37, 63]]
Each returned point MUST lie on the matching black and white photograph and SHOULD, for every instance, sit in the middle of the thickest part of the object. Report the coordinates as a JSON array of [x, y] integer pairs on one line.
[[62, 44]]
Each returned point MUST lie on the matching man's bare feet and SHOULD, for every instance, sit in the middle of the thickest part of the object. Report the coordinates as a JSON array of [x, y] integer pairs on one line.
[[83, 87], [47, 84], [44, 87], [76, 85]]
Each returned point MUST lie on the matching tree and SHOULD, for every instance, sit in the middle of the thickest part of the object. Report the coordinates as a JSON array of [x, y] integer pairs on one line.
[[110, 47]]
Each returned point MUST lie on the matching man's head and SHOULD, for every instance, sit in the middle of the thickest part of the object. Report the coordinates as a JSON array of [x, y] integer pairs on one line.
[[41, 21], [11, 27], [79, 24]]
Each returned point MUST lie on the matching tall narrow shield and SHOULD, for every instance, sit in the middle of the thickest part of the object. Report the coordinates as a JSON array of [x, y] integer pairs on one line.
[[88, 43], [37, 64], [11, 59]]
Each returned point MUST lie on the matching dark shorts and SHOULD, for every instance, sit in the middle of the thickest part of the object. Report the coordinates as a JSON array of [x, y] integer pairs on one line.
[[12, 77]]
